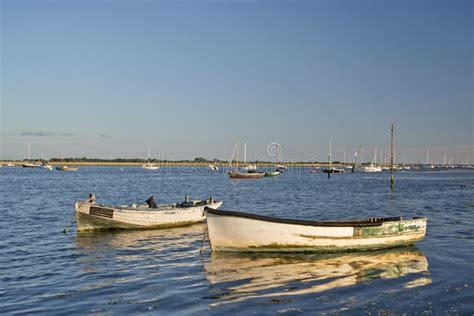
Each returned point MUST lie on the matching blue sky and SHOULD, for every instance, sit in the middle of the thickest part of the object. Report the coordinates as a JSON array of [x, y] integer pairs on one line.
[[189, 78]]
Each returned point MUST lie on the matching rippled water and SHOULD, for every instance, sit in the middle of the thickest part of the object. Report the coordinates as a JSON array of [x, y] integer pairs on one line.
[[43, 270]]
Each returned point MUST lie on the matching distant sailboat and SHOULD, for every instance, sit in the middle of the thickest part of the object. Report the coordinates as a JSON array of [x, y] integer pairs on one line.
[[148, 165], [429, 164], [237, 174], [28, 164], [45, 165], [276, 171], [373, 166]]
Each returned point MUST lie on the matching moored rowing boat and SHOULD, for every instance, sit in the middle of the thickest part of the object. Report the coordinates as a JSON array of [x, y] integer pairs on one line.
[[245, 175], [237, 231], [92, 216], [272, 174]]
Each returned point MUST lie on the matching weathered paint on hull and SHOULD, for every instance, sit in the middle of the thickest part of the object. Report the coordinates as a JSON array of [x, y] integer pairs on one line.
[[86, 222], [105, 218], [228, 233]]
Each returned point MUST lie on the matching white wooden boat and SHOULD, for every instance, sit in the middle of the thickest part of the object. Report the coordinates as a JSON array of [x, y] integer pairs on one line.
[[237, 231], [92, 216]]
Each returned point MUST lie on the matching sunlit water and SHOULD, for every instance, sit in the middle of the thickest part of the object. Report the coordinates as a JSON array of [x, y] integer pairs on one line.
[[43, 270]]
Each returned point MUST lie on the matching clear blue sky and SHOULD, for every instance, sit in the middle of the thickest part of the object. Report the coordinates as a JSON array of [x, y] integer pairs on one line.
[[189, 78]]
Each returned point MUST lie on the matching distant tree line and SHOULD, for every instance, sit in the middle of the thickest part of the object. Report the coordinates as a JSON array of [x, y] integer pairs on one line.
[[195, 160]]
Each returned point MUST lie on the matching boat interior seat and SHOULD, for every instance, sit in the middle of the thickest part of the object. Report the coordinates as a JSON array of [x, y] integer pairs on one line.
[[385, 219]]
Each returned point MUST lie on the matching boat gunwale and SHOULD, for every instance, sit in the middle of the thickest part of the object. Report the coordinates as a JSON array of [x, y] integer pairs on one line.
[[148, 210], [378, 221]]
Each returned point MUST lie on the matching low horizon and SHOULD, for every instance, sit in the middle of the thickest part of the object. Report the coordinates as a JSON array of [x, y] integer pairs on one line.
[[362, 155]]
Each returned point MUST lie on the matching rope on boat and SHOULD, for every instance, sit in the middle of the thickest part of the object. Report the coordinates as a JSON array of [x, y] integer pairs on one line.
[[206, 234], [66, 229]]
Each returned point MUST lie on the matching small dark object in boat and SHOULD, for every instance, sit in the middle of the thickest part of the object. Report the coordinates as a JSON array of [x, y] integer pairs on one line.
[[92, 198], [151, 202]]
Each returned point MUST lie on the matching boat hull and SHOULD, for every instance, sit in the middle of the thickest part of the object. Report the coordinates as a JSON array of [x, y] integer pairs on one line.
[[245, 175], [237, 233], [96, 217], [29, 165], [372, 168], [272, 174]]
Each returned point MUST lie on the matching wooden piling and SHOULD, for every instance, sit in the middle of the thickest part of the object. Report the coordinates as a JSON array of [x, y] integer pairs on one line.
[[392, 180]]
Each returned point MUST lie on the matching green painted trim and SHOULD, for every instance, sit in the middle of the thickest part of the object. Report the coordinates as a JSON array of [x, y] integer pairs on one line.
[[401, 228]]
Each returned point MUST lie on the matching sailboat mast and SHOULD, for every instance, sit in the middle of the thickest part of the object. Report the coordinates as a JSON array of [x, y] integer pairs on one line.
[[245, 153], [29, 150], [329, 169], [278, 153], [237, 157]]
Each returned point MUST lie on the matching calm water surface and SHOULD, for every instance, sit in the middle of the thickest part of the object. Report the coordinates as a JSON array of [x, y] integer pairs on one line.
[[44, 271]]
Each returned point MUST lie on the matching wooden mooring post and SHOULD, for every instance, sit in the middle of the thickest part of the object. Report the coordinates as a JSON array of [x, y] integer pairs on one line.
[[392, 180]]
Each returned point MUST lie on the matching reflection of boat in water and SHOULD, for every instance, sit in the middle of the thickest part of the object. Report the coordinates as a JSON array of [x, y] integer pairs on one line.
[[246, 276], [162, 239]]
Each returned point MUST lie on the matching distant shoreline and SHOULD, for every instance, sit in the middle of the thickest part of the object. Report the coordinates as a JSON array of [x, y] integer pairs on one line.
[[219, 164], [164, 164]]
